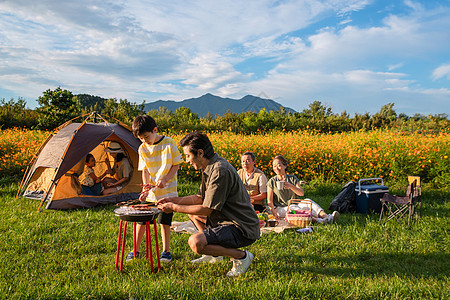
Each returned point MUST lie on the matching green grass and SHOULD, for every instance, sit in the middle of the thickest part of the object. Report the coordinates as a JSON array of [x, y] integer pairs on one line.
[[71, 254]]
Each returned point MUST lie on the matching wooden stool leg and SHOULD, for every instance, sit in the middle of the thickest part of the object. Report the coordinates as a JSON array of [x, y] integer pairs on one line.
[[118, 245], [158, 259]]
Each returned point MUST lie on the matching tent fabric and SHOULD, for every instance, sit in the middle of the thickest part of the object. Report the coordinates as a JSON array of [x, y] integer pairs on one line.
[[54, 173], [54, 150], [85, 139], [87, 202]]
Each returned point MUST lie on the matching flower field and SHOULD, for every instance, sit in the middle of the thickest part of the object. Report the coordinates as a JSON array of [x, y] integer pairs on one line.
[[343, 157], [323, 157], [17, 148]]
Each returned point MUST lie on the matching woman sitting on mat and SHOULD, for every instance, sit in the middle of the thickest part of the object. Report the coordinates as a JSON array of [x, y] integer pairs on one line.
[[284, 187]]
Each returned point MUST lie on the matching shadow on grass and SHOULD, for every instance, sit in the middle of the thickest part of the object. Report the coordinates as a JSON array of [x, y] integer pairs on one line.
[[433, 265]]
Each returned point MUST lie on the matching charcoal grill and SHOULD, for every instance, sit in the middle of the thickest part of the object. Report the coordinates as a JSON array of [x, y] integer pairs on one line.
[[143, 214]]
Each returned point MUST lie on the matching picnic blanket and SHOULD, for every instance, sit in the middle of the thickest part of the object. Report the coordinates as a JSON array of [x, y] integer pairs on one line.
[[188, 227]]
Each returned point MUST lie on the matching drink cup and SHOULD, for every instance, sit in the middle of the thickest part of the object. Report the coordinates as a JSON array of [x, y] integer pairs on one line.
[[272, 222], [280, 185]]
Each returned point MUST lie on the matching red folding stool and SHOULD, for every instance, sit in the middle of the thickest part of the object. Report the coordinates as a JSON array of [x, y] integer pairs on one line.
[[147, 218]]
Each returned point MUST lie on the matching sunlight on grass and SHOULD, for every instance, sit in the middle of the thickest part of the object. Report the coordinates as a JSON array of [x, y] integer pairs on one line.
[[71, 254]]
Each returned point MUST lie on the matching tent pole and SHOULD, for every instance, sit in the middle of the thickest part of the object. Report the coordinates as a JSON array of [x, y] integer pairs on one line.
[[50, 201], [31, 163], [23, 178], [48, 193], [59, 165]]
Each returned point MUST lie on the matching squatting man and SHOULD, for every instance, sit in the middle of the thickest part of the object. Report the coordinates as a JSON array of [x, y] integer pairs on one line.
[[222, 211]]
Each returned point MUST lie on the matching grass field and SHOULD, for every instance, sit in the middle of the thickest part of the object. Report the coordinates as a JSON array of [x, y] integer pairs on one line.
[[71, 254]]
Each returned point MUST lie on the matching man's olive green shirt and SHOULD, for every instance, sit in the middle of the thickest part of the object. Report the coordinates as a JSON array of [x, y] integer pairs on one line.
[[223, 191]]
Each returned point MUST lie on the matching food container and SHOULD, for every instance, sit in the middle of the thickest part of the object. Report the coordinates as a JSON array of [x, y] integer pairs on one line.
[[368, 196]]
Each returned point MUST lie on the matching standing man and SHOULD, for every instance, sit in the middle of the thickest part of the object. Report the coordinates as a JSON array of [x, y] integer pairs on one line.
[[222, 212], [254, 181]]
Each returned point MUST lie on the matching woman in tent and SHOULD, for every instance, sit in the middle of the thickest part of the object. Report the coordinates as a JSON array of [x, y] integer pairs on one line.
[[121, 169]]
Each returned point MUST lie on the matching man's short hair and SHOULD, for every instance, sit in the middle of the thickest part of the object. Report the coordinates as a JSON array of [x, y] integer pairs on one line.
[[251, 154], [142, 124], [198, 140]]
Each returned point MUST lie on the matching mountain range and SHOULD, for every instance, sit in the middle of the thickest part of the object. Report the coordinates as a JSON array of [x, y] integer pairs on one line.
[[216, 105]]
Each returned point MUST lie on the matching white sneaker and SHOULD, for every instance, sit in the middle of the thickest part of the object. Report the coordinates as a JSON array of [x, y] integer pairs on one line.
[[333, 217], [240, 265], [208, 258]]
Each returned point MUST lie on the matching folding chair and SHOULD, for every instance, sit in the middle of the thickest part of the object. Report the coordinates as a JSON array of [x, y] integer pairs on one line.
[[399, 207]]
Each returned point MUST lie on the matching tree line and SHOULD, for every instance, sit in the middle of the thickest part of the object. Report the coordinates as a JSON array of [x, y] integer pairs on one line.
[[58, 106]]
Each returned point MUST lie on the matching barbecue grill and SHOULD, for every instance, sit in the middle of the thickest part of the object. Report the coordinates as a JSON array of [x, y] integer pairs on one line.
[[137, 213]]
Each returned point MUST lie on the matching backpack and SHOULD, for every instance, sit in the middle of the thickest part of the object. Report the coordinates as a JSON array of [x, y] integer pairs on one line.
[[345, 201]]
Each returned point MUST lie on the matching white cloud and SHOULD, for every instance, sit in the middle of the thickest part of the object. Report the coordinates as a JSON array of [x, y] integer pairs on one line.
[[134, 49], [441, 72], [394, 67]]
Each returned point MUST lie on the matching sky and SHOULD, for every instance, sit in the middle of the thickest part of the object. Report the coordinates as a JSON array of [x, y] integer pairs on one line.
[[351, 55]]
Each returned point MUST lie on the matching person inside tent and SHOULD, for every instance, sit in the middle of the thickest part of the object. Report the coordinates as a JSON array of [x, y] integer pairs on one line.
[[90, 183], [121, 170]]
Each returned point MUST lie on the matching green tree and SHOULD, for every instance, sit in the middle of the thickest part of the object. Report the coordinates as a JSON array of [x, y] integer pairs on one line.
[[385, 117], [185, 119], [164, 118], [360, 122], [317, 110], [56, 108], [316, 116], [14, 114], [91, 103], [122, 110]]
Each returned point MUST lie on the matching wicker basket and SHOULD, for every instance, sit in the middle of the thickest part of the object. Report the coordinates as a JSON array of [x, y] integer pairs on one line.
[[302, 219]]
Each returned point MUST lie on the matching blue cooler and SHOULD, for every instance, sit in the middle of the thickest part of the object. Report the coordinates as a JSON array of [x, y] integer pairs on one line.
[[368, 196]]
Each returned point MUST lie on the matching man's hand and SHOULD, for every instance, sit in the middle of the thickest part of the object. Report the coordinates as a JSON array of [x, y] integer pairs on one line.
[[164, 200], [166, 207]]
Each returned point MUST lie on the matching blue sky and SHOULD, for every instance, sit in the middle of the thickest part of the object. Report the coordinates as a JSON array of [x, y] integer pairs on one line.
[[352, 55]]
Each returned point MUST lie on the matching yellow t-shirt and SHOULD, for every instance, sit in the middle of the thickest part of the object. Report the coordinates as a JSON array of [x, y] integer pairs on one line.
[[158, 159]]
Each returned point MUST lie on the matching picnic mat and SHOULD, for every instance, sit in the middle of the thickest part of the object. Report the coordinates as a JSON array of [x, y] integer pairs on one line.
[[188, 227]]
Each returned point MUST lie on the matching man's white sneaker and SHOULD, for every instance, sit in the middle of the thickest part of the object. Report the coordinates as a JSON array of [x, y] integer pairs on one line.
[[208, 259], [240, 265], [333, 217]]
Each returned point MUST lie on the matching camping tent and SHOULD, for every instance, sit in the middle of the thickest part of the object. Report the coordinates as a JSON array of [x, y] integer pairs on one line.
[[53, 177]]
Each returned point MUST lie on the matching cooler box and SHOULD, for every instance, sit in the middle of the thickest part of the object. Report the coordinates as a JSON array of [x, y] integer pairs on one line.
[[368, 196]]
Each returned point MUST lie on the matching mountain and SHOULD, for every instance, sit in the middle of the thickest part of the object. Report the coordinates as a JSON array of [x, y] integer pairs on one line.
[[216, 105]]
